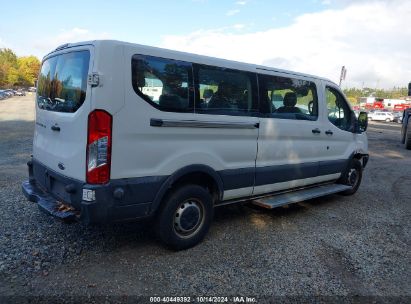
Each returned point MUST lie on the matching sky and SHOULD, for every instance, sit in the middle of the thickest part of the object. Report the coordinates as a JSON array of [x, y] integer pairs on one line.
[[371, 38]]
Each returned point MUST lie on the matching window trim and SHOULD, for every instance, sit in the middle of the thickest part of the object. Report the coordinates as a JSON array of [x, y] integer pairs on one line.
[[190, 84]]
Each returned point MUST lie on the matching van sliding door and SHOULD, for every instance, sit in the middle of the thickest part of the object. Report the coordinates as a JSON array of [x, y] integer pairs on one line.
[[229, 98]]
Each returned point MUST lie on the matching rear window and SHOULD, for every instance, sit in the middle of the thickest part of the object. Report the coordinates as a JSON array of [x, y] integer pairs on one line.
[[62, 82]]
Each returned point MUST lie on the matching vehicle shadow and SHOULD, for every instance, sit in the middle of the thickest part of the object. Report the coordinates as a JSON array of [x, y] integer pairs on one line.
[[138, 236]]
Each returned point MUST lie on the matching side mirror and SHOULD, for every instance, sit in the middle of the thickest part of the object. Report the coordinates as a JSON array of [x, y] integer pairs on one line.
[[362, 122]]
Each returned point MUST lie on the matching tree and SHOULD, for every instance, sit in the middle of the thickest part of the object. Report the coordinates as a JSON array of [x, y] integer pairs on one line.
[[17, 71], [13, 76], [7, 56], [8, 61], [28, 70]]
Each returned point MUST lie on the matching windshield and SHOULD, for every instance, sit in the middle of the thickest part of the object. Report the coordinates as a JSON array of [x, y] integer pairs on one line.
[[62, 82]]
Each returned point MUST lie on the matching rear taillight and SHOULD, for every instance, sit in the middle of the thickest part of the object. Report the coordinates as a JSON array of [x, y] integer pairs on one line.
[[99, 147]]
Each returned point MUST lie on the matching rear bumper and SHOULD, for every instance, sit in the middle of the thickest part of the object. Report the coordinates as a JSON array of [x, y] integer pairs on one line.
[[46, 202], [90, 213], [62, 197]]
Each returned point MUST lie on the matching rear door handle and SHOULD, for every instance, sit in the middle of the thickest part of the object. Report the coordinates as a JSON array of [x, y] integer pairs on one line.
[[316, 131], [55, 128], [329, 132]]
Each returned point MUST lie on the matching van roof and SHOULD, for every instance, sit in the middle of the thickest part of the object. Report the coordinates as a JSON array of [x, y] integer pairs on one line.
[[202, 59]]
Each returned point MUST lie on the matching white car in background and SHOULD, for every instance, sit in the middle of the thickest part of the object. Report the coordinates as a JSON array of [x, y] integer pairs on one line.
[[381, 116]]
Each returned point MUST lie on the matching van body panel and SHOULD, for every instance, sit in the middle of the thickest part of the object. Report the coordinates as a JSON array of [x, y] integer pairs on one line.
[[109, 66], [153, 151]]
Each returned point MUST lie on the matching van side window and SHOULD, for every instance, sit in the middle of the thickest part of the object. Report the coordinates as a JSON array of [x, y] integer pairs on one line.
[[225, 91], [339, 112], [288, 98], [164, 83]]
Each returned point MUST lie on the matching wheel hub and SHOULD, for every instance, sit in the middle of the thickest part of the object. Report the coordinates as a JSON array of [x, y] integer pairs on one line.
[[187, 218]]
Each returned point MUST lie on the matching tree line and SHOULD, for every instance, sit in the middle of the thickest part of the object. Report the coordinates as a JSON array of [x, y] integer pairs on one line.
[[354, 94], [17, 71]]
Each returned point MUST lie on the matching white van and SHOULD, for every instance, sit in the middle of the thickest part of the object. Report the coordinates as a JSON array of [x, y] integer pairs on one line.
[[126, 132]]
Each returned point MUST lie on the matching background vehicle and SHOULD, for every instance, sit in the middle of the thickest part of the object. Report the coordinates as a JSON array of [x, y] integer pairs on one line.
[[11, 92], [3, 95], [381, 116], [8, 92], [20, 93]]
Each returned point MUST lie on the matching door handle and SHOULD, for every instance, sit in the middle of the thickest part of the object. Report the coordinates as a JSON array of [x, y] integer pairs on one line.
[[316, 131], [329, 132], [55, 128]]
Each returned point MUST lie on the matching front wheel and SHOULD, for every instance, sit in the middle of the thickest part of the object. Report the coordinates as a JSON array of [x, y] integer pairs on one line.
[[388, 120], [352, 177], [185, 217]]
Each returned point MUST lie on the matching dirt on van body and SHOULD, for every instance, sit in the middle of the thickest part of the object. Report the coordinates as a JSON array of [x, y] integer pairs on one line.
[[335, 246]]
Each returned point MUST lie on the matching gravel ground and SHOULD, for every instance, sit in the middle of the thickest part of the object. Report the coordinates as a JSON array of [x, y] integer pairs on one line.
[[358, 246]]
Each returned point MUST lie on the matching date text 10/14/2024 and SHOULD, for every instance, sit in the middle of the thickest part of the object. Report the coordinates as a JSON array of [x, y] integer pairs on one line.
[[203, 299]]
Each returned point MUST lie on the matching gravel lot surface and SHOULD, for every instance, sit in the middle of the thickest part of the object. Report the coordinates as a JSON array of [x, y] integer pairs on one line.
[[331, 246]]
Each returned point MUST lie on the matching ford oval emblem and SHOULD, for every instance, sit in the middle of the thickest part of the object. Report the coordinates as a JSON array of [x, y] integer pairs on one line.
[[61, 166]]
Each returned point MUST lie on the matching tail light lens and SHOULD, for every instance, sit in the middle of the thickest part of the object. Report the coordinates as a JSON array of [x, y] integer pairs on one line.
[[99, 147]]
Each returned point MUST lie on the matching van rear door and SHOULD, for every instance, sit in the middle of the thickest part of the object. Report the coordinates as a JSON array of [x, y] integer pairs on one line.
[[63, 103]]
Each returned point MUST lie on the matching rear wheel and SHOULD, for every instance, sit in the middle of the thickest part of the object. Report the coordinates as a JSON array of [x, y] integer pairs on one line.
[[352, 177], [185, 217], [408, 135]]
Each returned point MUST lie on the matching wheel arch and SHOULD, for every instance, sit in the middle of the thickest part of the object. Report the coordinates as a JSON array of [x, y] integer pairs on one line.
[[358, 155], [361, 156], [195, 174]]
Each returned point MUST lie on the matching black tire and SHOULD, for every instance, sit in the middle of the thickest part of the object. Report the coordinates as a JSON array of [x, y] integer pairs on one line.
[[352, 177], [408, 135], [185, 217]]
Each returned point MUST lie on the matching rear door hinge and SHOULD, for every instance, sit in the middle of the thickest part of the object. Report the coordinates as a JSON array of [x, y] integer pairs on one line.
[[93, 79]]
